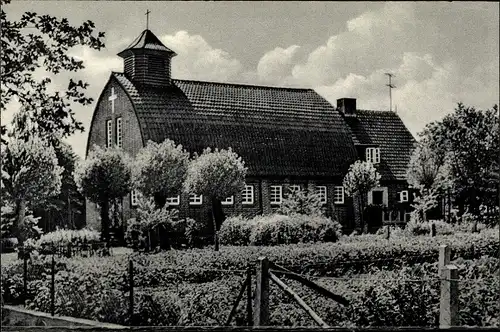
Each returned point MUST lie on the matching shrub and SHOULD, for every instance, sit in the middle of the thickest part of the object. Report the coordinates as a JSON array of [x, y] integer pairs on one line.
[[301, 202], [63, 237], [279, 229]]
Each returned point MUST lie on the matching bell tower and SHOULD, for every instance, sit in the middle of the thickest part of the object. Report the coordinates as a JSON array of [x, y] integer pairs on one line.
[[146, 62]]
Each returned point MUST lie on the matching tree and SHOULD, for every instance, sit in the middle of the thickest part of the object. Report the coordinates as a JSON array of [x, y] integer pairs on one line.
[[104, 177], [30, 176], [429, 172], [469, 138], [302, 202], [359, 180], [160, 170], [216, 175], [41, 42], [68, 207]]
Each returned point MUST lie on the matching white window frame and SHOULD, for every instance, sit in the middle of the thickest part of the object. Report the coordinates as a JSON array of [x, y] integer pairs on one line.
[[109, 133], [119, 132], [195, 199], [323, 194], [294, 187], [336, 195], [228, 201], [404, 196], [176, 200], [275, 198], [373, 155], [134, 198], [247, 196]]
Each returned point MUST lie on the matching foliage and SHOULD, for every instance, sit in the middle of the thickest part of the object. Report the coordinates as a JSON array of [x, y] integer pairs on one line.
[[160, 169], [41, 42], [24, 161], [63, 237], [279, 229], [148, 220], [216, 174], [359, 180], [104, 177], [469, 140], [301, 202], [67, 209], [90, 288], [30, 175]]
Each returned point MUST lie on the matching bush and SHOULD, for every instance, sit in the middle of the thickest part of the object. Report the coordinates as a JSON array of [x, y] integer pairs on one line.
[[279, 229], [302, 202], [62, 237]]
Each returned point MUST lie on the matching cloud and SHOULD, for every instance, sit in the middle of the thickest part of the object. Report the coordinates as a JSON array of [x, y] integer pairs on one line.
[[276, 64], [198, 60]]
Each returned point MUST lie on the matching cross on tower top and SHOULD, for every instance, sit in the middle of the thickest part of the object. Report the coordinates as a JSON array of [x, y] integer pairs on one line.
[[147, 19]]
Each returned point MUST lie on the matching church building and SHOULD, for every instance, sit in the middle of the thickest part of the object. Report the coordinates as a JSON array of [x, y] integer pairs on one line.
[[288, 137]]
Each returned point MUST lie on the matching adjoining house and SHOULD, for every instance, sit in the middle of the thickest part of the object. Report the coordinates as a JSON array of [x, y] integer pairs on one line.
[[287, 137]]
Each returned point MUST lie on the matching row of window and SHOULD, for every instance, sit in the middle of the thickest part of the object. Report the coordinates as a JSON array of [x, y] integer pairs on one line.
[[109, 132], [247, 196]]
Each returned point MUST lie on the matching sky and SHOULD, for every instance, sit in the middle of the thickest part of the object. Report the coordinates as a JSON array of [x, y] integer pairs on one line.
[[440, 53]]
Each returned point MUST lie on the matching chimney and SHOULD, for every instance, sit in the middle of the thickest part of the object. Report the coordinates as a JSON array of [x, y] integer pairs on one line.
[[347, 106]]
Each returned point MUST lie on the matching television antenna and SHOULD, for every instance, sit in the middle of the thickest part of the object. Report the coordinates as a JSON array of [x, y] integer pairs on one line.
[[391, 86]]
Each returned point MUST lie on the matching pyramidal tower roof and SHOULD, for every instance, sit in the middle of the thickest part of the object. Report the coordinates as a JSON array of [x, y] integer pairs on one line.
[[147, 40]]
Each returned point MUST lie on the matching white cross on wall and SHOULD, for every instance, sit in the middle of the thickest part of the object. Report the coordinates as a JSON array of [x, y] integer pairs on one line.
[[112, 100]]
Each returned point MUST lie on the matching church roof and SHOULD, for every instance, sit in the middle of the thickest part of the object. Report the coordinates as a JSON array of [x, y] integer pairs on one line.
[[387, 131], [277, 131], [147, 40]]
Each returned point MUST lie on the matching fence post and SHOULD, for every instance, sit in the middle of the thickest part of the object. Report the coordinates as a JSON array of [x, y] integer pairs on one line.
[[448, 306], [131, 290], [25, 279], [249, 297], [444, 258], [387, 232], [53, 288], [261, 309]]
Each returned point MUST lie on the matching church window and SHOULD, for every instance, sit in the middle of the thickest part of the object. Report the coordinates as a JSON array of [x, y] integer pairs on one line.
[[276, 194], [247, 195], [119, 132], [373, 155], [195, 199], [228, 201], [109, 133], [338, 195], [322, 194], [174, 200]]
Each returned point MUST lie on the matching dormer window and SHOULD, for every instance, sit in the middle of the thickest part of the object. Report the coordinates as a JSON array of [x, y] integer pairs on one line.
[[373, 155]]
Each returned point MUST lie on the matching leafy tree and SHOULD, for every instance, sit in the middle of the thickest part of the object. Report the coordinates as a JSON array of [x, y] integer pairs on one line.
[[30, 175], [160, 170], [104, 177], [428, 172], [301, 202], [469, 139], [41, 42], [216, 175], [67, 209], [359, 180]]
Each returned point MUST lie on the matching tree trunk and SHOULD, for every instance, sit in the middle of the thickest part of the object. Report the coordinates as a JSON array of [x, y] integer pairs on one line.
[[18, 227], [364, 228], [105, 221], [218, 218]]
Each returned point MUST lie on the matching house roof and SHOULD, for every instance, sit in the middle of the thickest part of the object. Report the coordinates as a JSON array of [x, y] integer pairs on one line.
[[147, 40], [387, 131], [277, 131]]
